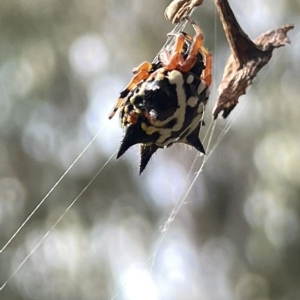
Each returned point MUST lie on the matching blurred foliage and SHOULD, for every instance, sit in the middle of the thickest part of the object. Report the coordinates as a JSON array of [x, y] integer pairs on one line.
[[62, 65]]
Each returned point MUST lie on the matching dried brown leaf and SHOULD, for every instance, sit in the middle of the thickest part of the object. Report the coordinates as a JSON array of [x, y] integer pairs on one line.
[[246, 59]]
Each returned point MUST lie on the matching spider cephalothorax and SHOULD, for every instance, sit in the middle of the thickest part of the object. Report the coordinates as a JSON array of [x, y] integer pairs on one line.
[[164, 102]]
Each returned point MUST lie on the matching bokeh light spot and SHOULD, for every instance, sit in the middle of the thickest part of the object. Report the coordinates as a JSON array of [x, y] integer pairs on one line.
[[38, 140], [16, 77], [279, 154], [139, 284], [88, 55], [282, 227]]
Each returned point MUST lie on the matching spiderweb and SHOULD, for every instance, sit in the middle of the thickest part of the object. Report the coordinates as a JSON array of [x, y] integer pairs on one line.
[[210, 147]]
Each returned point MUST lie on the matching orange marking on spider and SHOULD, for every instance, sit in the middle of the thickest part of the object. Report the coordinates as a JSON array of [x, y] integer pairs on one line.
[[132, 118], [141, 74], [170, 61]]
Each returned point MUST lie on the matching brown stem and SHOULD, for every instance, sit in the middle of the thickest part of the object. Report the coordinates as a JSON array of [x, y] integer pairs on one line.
[[239, 41]]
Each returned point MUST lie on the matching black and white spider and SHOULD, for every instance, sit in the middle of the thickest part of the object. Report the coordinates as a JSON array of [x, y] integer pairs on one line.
[[164, 102]]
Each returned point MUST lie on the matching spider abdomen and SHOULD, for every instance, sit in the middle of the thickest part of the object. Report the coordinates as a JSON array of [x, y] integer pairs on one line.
[[168, 110]]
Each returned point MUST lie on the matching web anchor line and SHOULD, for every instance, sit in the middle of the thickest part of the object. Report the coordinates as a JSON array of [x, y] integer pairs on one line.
[[51, 190], [57, 221]]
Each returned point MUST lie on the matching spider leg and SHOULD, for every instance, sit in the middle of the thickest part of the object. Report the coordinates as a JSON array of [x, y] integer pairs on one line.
[[208, 69], [197, 46], [142, 73], [144, 66], [189, 62], [169, 60], [187, 36]]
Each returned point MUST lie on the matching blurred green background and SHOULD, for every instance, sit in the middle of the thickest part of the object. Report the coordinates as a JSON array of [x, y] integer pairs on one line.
[[62, 66]]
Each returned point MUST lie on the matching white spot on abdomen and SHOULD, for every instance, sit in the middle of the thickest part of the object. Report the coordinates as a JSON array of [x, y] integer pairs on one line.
[[192, 101], [190, 79], [201, 87]]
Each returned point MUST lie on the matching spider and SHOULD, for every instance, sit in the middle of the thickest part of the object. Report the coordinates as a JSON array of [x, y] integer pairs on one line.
[[164, 102]]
